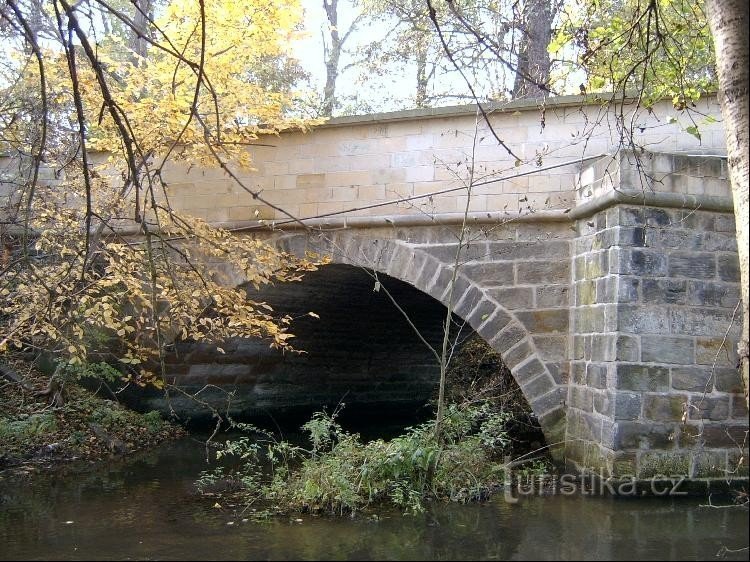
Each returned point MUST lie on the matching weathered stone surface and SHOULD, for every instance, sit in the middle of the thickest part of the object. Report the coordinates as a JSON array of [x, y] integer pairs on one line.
[[513, 297], [638, 377], [700, 266], [613, 347], [664, 464], [660, 407], [709, 408], [709, 464], [542, 272], [706, 293], [551, 348], [667, 349], [507, 337], [518, 353], [530, 369], [596, 375], [715, 351], [695, 379], [625, 405], [727, 379], [729, 268], [664, 291], [635, 319], [639, 262], [494, 324], [643, 435], [589, 320], [545, 321], [489, 274], [581, 397], [481, 313], [695, 321], [553, 296]]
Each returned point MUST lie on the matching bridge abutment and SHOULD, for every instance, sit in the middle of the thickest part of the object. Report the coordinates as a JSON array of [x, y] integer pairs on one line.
[[654, 387]]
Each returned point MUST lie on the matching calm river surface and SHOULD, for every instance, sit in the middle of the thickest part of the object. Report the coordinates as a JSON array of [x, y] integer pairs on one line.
[[145, 507]]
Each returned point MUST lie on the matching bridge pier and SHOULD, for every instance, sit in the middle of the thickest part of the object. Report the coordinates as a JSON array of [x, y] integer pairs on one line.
[[654, 387]]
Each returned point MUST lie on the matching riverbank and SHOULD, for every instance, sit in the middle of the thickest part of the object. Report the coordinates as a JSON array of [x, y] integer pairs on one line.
[[44, 425]]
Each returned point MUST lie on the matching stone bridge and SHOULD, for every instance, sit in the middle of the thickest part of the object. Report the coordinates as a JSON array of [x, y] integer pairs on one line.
[[606, 278]]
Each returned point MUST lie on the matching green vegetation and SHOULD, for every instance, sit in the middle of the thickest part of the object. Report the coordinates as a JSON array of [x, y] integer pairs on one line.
[[43, 420]]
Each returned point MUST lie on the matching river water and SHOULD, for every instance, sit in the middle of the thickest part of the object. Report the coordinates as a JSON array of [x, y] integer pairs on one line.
[[145, 507]]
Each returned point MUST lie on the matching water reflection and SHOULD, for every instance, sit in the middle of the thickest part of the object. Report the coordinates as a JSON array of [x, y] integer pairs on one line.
[[146, 508]]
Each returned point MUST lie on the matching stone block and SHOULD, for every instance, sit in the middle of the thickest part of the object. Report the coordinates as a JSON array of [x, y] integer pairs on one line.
[[627, 288], [693, 265], [660, 407], [612, 347], [538, 385], [578, 372], [552, 296], [642, 263], [699, 321], [667, 349], [447, 253], [628, 236], [664, 464], [727, 379], [549, 401], [552, 348], [508, 337], [518, 353], [596, 375], [481, 313], [641, 378], [589, 319], [694, 379], [559, 370], [493, 325], [545, 321], [489, 274], [643, 435], [636, 319], [709, 408], [585, 292], [728, 267], [513, 297], [541, 272], [626, 405], [724, 435], [706, 293], [582, 398], [468, 301], [709, 464], [529, 369], [664, 291]]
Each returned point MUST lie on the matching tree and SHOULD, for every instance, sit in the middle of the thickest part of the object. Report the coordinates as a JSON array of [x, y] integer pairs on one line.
[[513, 36], [334, 42], [77, 284], [728, 20]]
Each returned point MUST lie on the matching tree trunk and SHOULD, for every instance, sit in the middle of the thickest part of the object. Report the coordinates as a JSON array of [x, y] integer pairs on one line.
[[728, 20], [532, 72], [141, 19], [332, 58], [422, 76]]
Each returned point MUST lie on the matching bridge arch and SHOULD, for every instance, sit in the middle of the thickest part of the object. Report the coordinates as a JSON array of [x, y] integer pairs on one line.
[[429, 268]]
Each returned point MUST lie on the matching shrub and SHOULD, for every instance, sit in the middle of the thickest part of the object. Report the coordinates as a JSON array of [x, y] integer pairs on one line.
[[340, 473]]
